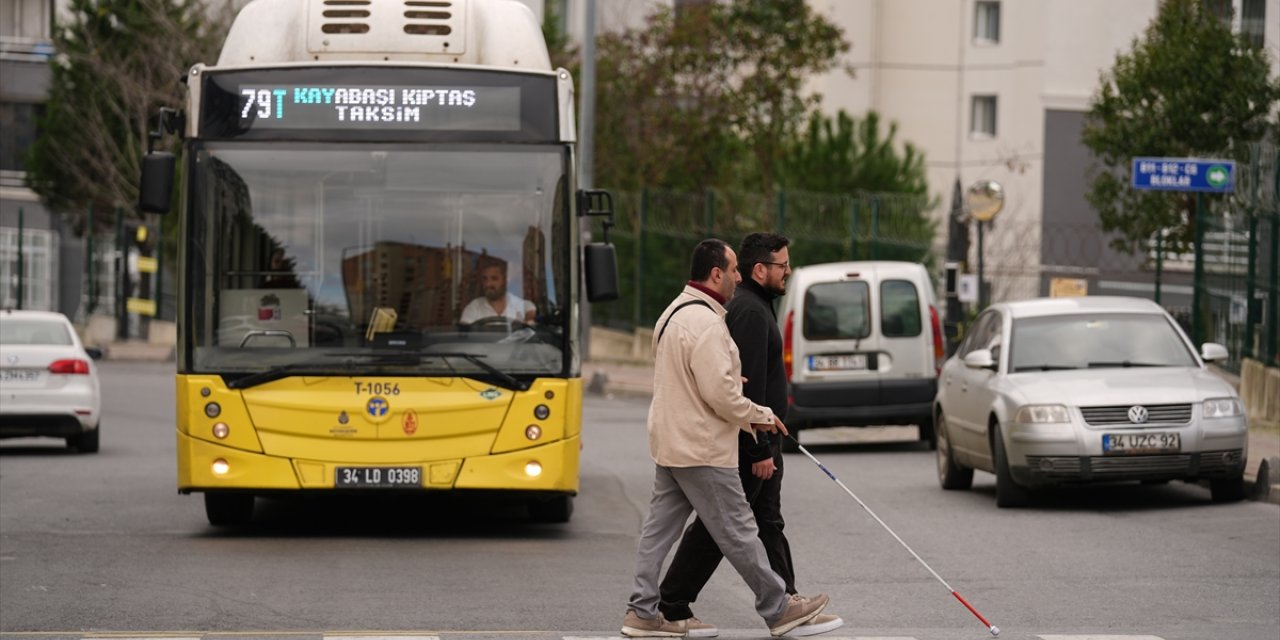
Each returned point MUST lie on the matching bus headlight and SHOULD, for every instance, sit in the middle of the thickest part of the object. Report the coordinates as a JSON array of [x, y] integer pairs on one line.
[[542, 412], [220, 467], [213, 410], [533, 432], [221, 430], [533, 469]]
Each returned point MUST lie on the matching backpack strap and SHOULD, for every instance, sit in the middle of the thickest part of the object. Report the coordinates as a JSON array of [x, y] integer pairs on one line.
[[677, 309]]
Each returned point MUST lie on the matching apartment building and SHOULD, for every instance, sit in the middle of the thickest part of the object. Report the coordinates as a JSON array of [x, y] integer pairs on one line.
[[25, 48]]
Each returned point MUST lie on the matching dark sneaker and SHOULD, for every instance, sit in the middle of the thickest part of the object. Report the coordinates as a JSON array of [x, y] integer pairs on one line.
[[799, 611], [821, 623], [633, 626], [699, 629]]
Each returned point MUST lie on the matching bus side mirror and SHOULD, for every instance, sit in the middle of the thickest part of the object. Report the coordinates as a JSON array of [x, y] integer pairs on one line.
[[599, 258], [156, 189], [601, 264]]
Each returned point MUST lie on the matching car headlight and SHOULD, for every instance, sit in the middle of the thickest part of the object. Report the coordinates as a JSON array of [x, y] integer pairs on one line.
[[1223, 408], [1042, 414]]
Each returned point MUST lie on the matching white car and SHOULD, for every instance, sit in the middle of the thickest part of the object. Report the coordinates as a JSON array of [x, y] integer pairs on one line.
[[48, 380], [1082, 390]]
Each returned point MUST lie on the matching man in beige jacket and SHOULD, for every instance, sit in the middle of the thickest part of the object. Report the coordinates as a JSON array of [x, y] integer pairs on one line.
[[698, 409]]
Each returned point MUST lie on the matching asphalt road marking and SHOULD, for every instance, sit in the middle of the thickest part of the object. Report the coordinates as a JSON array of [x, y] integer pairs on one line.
[[1095, 637], [382, 638]]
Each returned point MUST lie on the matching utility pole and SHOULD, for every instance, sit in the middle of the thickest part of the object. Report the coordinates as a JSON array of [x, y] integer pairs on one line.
[[586, 145]]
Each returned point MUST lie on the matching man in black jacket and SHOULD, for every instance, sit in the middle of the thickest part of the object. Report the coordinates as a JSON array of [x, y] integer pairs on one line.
[[764, 261]]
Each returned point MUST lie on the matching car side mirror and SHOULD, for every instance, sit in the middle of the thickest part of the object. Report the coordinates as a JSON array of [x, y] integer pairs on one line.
[[93, 352], [1213, 352], [980, 359]]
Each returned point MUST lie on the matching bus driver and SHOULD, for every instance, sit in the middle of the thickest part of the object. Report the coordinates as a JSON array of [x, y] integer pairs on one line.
[[497, 302]]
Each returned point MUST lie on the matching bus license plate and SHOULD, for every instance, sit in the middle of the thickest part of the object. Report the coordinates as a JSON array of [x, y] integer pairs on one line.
[[844, 362], [1137, 443], [377, 477]]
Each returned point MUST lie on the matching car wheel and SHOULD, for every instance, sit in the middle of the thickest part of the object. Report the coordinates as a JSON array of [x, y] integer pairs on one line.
[[1227, 489], [1008, 493], [224, 509], [951, 476], [929, 433], [556, 510], [86, 442]]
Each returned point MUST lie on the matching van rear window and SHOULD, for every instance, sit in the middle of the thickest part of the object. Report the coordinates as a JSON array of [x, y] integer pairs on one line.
[[899, 309], [837, 311]]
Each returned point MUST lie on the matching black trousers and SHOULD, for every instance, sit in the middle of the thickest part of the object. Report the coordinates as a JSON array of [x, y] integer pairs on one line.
[[698, 556]]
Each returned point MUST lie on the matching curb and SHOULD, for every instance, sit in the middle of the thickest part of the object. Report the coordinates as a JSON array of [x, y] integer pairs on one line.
[[1266, 487]]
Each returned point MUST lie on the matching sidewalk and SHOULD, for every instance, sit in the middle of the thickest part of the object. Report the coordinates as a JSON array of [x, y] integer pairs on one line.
[[635, 379]]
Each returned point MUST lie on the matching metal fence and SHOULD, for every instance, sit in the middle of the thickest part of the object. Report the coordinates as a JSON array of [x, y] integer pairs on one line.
[[1236, 265], [657, 230]]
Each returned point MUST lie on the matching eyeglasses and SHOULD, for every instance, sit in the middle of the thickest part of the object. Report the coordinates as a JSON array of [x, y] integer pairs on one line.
[[786, 266]]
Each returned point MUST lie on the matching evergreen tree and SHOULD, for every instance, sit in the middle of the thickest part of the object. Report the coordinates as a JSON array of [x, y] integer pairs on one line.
[[841, 155], [1189, 88]]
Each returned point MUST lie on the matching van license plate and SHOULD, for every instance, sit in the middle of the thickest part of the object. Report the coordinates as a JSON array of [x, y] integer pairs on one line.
[[1138, 443], [377, 477], [845, 362]]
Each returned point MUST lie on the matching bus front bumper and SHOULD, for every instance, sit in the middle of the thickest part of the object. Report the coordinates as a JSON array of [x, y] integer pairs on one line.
[[207, 466]]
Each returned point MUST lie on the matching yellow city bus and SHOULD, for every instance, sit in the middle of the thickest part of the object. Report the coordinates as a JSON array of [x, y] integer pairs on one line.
[[381, 257]]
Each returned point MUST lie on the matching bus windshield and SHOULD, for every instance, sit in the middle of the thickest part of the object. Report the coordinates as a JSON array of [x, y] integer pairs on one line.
[[372, 257]]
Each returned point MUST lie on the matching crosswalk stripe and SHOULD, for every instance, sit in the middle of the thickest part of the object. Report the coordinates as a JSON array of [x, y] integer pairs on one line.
[[1097, 637], [382, 637]]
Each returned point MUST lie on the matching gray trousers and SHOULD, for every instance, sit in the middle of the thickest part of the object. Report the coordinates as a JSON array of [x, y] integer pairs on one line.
[[716, 495]]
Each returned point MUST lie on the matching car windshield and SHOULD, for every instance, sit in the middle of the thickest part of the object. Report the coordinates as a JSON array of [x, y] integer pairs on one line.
[[1099, 341], [325, 257], [33, 331]]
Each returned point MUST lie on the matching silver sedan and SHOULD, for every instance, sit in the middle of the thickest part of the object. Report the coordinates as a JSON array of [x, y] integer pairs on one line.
[[1082, 390]]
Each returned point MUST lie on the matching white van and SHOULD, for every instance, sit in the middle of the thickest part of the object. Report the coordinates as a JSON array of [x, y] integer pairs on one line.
[[862, 343]]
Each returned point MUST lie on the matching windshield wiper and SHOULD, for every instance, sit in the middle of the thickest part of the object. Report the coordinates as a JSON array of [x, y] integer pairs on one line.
[[1124, 363], [1045, 367], [505, 380], [502, 378], [283, 371]]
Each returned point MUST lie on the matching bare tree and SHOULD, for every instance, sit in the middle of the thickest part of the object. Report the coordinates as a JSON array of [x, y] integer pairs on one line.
[[117, 63]]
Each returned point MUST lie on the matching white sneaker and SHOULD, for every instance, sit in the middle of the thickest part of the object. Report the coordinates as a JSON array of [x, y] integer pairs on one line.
[[820, 623], [699, 629]]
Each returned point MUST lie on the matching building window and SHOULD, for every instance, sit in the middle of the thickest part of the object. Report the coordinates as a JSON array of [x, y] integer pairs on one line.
[[986, 22], [17, 132], [39, 247], [25, 19], [1253, 22], [983, 122]]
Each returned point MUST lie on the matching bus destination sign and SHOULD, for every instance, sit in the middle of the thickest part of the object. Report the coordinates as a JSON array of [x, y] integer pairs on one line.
[[387, 107]]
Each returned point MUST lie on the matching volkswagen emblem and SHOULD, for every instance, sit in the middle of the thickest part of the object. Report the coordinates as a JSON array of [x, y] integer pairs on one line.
[[1137, 414], [13, 359]]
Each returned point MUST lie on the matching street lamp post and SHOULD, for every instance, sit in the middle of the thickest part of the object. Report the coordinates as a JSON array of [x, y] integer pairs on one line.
[[983, 201]]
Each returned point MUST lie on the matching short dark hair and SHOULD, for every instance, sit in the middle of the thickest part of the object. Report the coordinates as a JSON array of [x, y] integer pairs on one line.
[[709, 254], [759, 247]]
